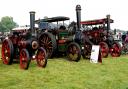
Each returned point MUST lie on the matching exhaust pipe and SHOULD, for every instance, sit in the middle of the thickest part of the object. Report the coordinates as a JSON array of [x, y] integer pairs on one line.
[[32, 22], [78, 33], [78, 16], [79, 37], [108, 24]]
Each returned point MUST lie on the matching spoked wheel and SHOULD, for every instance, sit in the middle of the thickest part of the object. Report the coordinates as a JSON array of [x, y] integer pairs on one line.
[[115, 50], [48, 41], [7, 52], [41, 57], [24, 59], [86, 51], [104, 49], [73, 52]]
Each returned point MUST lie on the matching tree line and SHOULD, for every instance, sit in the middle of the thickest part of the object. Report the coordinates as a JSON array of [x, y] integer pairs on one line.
[[7, 24]]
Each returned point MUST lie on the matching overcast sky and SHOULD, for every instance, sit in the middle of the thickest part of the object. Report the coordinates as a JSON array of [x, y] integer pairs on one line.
[[91, 9]]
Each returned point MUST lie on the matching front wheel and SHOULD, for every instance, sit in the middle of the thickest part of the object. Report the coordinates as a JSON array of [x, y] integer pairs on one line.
[[24, 59], [115, 50], [104, 49], [41, 57], [86, 51], [73, 52]]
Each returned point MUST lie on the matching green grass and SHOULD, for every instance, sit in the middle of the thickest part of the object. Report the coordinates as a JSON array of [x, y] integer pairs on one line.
[[62, 74]]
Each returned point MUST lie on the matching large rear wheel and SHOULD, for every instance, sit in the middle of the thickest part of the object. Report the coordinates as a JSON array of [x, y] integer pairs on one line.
[[7, 52], [48, 41], [41, 57], [73, 52], [24, 59], [104, 49]]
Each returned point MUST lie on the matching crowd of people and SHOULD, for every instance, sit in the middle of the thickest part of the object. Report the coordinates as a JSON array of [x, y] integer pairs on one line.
[[124, 37]]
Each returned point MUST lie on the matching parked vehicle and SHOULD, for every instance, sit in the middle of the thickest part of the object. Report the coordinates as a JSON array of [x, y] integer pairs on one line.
[[58, 39], [22, 45], [99, 33]]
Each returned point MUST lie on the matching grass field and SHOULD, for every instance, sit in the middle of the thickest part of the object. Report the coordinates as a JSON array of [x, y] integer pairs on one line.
[[62, 74]]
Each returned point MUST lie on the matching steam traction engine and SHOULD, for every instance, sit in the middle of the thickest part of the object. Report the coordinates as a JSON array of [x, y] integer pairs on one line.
[[59, 39], [98, 32], [62, 40], [23, 45]]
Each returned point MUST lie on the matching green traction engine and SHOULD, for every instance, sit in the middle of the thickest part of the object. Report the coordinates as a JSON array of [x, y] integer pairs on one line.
[[59, 39]]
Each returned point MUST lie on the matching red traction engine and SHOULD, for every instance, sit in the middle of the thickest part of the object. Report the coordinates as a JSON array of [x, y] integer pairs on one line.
[[98, 32], [22, 45]]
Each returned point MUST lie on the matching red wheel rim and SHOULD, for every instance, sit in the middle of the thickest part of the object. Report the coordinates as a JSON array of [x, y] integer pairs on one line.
[[115, 50], [104, 49], [6, 52], [24, 59], [41, 58]]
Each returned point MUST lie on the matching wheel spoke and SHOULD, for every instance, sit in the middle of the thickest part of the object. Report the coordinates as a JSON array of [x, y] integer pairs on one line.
[[46, 39], [50, 43], [42, 40]]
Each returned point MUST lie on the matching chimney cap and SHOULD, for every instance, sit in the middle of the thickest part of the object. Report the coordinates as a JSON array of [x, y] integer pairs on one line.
[[78, 7], [108, 16], [32, 12]]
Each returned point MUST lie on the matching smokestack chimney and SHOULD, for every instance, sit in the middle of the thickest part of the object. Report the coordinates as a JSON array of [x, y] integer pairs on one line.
[[32, 22], [108, 24], [78, 16], [78, 34]]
